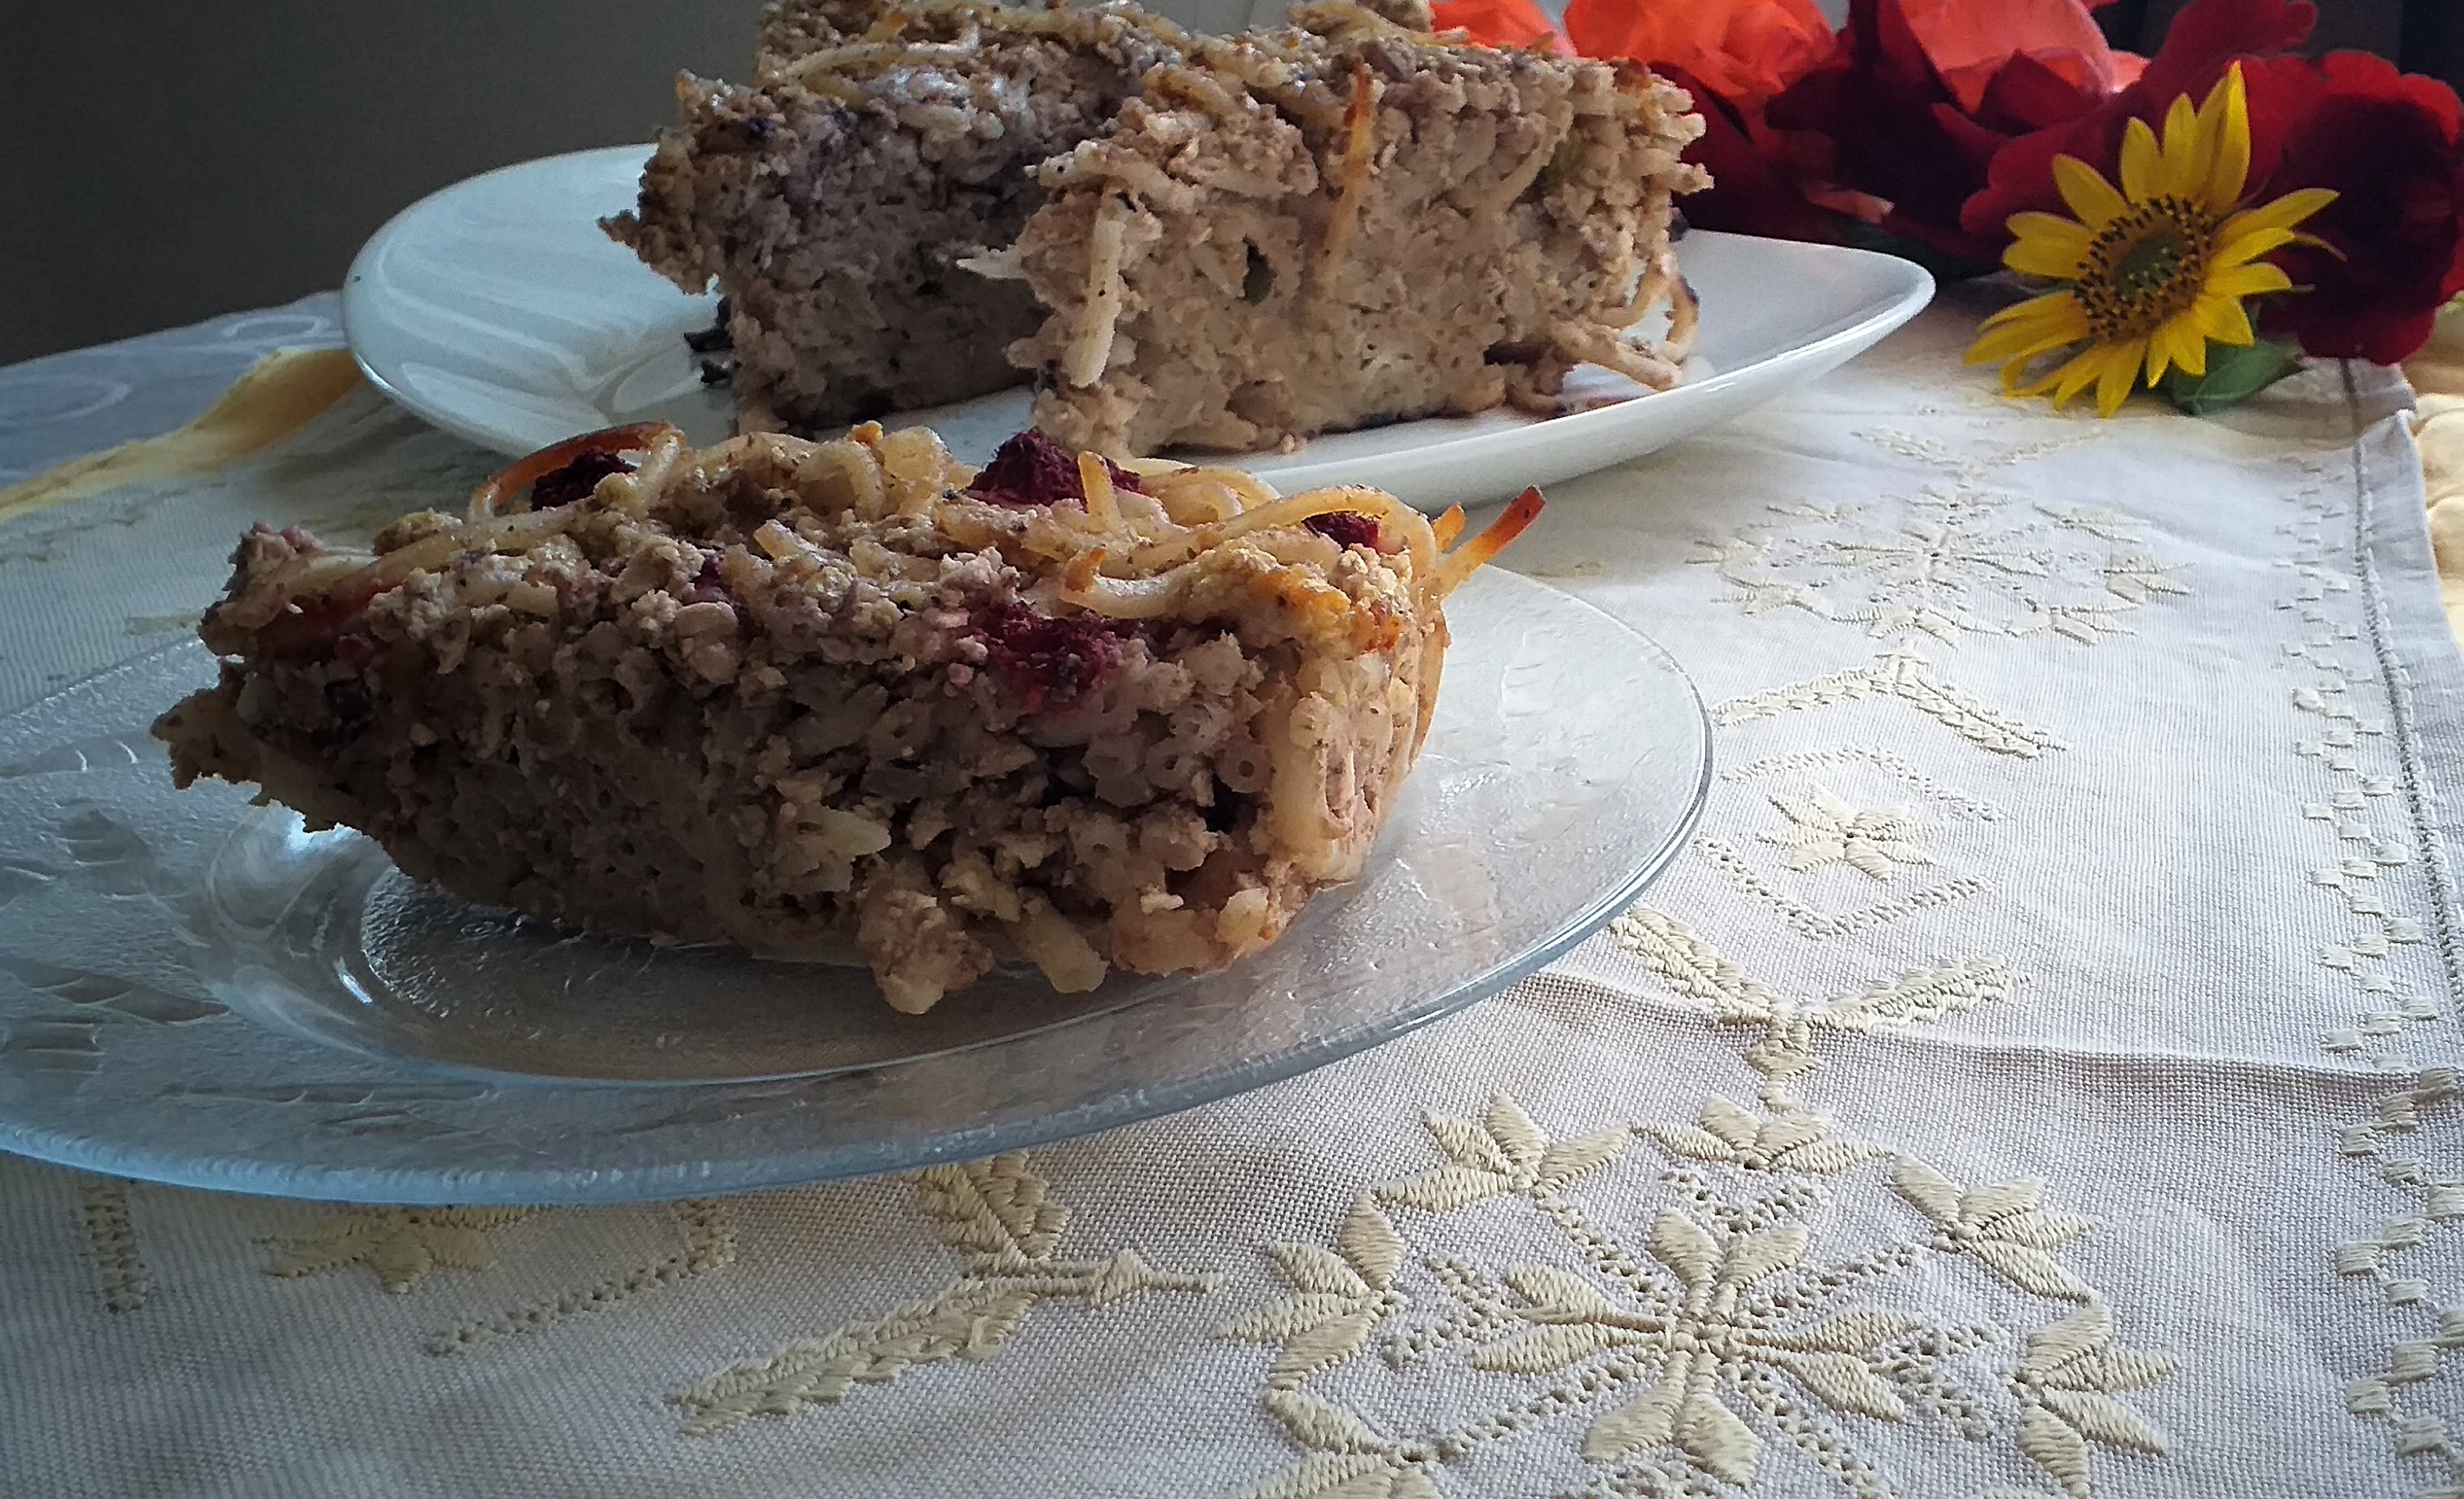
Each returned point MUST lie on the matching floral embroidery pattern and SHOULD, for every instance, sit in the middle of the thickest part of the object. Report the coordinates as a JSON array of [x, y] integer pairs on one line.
[[1953, 560], [125, 1283], [2068, 1382], [1901, 676], [2351, 796], [709, 1245], [1807, 921], [1988, 458], [1726, 1333], [399, 1245], [1822, 830], [1343, 1294], [1956, 803], [1716, 1329], [1820, 827], [1817, 826], [999, 1218]]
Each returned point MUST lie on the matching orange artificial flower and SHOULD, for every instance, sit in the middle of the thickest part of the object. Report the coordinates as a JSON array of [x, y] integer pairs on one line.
[[1744, 51], [1500, 23], [1967, 44]]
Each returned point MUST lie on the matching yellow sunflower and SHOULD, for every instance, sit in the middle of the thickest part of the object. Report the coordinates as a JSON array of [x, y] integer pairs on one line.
[[2157, 269]]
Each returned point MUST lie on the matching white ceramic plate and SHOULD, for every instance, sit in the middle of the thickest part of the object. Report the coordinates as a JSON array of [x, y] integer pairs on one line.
[[497, 310]]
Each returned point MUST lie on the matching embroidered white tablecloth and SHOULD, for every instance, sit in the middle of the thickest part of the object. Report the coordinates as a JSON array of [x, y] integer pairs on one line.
[[2036, 1078]]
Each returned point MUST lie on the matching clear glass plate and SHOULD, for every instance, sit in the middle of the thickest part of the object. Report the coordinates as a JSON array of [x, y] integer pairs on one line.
[[194, 990]]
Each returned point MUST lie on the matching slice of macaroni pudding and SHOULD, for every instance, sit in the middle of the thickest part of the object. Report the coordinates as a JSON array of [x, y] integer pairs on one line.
[[791, 695]]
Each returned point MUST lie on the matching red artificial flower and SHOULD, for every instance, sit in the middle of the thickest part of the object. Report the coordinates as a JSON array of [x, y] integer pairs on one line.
[[1740, 50], [1750, 192], [1500, 23], [2204, 39], [1926, 93], [2391, 146]]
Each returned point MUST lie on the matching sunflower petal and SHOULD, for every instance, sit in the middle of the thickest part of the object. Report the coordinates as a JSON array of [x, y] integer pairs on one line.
[[2026, 315], [2249, 280], [2048, 335], [2179, 172], [2047, 244], [2017, 351], [2176, 343], [2228, 141], [2189, 347], [2210, 126], [2164, 351], [2160, 352], [2113, 385], [2044, 384], [2012, 347], [2078, 375], [2141, 163], [2054, 311], [2282, 213], [2056, 315], [2089, 195], [2221, 319], [2081, 373], [2016, 381], [2240, 249]]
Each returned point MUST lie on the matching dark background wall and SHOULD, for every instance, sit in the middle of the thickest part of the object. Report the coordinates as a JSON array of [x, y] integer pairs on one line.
[[170, 161], [180, 159]]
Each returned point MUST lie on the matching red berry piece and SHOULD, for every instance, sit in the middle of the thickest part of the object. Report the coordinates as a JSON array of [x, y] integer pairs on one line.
[[1048, 662], [576, 479], [1031, 469], [1345, 527]]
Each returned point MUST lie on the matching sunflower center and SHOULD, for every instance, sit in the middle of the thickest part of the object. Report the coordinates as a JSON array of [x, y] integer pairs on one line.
[[2145, 268], [2150, 265]]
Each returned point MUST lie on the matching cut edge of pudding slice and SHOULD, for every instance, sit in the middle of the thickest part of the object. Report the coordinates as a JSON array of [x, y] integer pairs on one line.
[[1348, 223]]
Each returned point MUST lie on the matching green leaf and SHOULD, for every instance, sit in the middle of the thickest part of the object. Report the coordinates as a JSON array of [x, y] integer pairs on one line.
[[2235, 372], [1945, 266]]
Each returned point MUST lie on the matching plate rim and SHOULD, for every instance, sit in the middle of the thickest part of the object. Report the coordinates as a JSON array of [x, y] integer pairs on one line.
[[354, 305], [710, 1175]]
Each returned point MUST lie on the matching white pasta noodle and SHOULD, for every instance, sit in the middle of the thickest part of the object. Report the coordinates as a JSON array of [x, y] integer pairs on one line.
[[1090, 349]]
